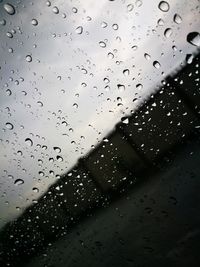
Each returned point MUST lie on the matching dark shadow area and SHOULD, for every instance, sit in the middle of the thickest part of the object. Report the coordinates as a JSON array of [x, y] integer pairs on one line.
[[132, 201]]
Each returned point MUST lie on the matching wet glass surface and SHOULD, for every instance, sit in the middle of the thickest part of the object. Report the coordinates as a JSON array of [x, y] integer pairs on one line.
[[71, 70]]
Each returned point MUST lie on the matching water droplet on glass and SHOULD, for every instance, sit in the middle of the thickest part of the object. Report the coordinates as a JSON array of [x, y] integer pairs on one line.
[[8, 92], [102, 44], [194, 38], [59, 158], [130, 7], [29, 142], [35, 190], [41, 173], [138, 3], [104, 24], [74, 10], [177, 19], [164, 6], [40, 103], [9, 126], [9, 9], [3, 22], [160, 22], [9, 34], [126, 72], [19, 182], [189, 58], [57, 149], [115, 27], [48, 3], [147, 56], [34, 22], [121, 87], [125, 120], [139, 86], [156, 64], [55, 10], [168, 32], [28, 58], [79, 30]]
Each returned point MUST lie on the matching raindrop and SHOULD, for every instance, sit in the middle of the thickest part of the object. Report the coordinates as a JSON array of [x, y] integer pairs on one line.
[[79, 30], [3, 22], [168, 32], [35, 190], [104, 24], [177, 19], [59, 158], [40, 103], [126, 72], [9, 34], [48, 3], [194, 38], [9, 126], [28, 141], [102, 44], [130, 7], [28, 58], [156, 64], [34, 22], [139, 86], [189, 58], [125, 120], [110, 55], [9, 9], [138, 3], [19, 182], [121, 87], [8, 92], [41, 173], [57, 149], [164, 6], [115, 27], [147, 56], [74, 10], [75, 105], [160, 22], [55, 10]]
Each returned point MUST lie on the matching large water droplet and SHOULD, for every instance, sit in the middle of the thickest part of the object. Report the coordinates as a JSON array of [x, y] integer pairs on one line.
[[147, 56], [121, 87], [194, 38], [9, 34], [34, 22], [28, 141], [55, 10], [164, 6], [79, 30], [59, 158], [189, 58], [102, 44], [126, 72], [168, 32], [19, 182], [177, 19], [139, 86], [28, 58], [57, 149], [9, 126], [9, 9], [156, 64], [35, 190], [3, 22]]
